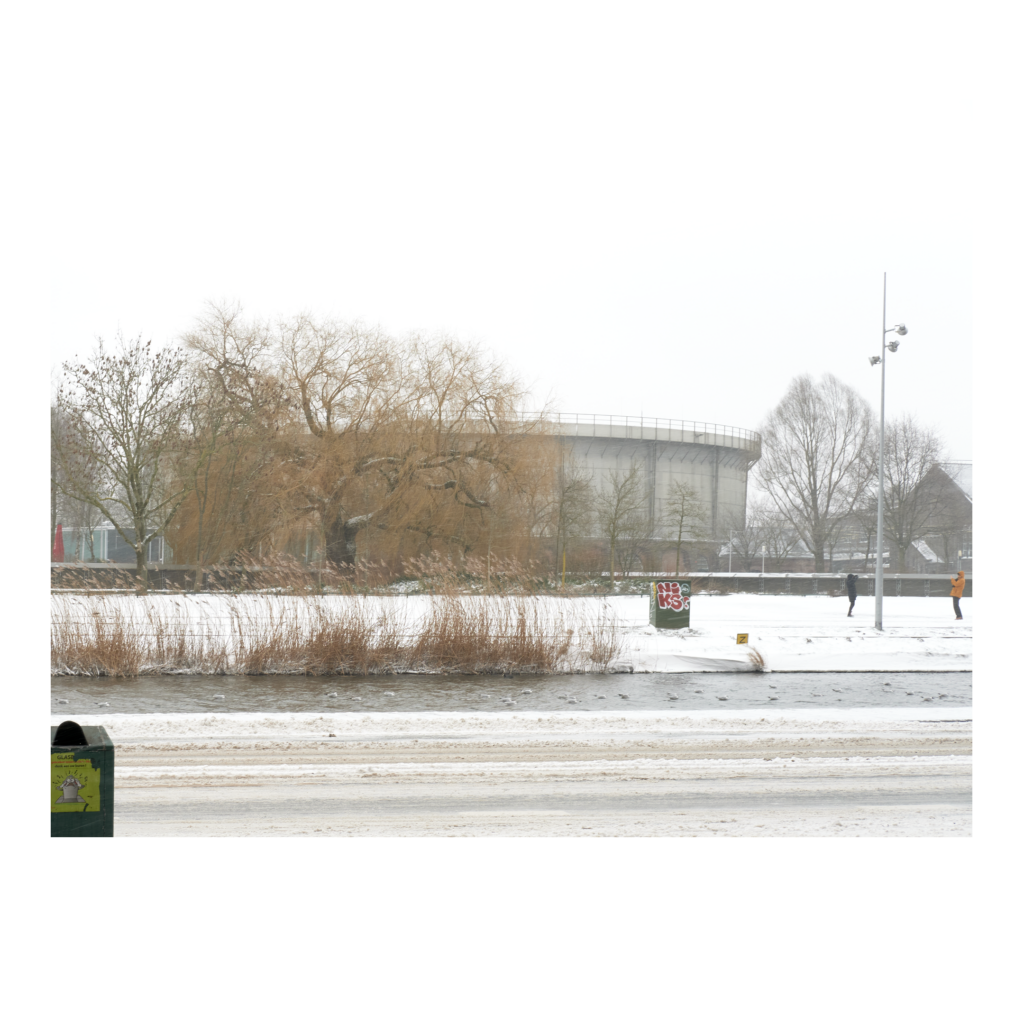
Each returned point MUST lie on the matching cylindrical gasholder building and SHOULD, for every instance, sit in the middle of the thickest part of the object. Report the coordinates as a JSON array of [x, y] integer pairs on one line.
[[711, 458]]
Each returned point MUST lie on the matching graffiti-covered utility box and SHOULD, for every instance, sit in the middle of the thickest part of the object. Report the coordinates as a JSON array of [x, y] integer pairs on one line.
[[81, 780], [670, 604]]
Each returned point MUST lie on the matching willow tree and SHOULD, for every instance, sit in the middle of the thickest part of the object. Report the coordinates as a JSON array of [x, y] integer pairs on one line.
[[405, 437], [233, 433]]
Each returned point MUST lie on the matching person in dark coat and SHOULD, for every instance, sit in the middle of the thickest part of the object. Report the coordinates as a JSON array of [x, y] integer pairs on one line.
[[851, 590]]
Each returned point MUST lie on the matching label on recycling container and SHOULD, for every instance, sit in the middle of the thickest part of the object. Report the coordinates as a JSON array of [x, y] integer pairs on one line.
[[74, 785]]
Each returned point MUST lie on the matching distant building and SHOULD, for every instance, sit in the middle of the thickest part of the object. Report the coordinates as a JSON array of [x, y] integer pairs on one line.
[[947, 544], [711, 458], [105, 544]]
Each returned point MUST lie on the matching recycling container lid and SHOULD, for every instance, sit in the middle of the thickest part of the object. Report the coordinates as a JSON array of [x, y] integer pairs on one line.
[[69, 734]]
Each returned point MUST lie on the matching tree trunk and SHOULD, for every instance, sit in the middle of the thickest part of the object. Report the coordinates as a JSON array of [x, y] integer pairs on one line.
[[611, 563], [819, 554], [53, 517], [141, 572], [340, 543], [901, 559]]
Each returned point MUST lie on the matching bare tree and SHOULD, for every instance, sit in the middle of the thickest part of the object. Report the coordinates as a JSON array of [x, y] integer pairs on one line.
[[573, 510], [122, 433], [745, 539], [817, 458], [685, 514], [56, 429], [862, 523], [772, 531], [765, 538], [623, 511], [77, 519], [908, 505]]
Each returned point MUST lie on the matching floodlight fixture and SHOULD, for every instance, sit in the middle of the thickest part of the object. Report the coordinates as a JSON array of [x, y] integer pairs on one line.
[[893, 345], [901, 329], [874, 360]]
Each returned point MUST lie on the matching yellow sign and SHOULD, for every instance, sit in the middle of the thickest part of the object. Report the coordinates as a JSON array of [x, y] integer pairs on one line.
[[74, 785], [741, 638]]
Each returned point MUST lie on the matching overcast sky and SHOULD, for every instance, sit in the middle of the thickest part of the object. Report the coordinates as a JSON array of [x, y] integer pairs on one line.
[[658, 209]]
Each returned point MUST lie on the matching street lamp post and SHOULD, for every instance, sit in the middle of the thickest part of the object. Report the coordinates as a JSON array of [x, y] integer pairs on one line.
[[899, 329]]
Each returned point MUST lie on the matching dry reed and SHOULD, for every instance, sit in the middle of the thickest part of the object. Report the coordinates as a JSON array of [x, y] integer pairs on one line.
[[109, 645], [315, 635]]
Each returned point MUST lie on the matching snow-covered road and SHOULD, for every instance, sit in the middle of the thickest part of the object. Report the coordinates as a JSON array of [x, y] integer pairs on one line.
[[850, 772]]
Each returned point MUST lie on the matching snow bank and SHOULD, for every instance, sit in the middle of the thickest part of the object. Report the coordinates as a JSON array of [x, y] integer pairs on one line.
[[508, 726]]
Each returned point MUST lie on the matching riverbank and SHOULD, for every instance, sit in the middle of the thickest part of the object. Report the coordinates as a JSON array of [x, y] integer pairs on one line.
[[256, 634]]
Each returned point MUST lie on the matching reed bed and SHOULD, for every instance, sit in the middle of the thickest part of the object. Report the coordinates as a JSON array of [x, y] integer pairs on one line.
[[320, 635]]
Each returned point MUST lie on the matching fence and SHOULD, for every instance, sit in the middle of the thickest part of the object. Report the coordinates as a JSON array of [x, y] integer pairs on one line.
[[809, 584], [78, 576]]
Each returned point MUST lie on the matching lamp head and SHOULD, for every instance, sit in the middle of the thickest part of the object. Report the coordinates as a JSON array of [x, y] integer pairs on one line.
[[893, 345], [901, 329], [874, 360]]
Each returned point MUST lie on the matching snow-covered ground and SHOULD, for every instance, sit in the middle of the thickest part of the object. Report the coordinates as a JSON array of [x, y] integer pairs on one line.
[[800, 634], [790, 634]]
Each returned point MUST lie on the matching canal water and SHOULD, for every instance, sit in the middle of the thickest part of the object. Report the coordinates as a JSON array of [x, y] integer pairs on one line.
[[75, 695]]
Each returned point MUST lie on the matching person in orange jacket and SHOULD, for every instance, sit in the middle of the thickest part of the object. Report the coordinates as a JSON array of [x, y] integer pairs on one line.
[[957, 592]]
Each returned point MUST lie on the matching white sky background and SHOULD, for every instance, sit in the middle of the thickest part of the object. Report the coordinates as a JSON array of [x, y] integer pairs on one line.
[[644, 208], [738, 185]]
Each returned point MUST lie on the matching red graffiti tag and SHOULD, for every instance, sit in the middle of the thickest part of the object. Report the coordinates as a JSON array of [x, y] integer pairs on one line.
[[670, 595]]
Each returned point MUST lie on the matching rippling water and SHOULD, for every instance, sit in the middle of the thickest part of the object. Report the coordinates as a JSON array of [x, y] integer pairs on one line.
[[414, 693]]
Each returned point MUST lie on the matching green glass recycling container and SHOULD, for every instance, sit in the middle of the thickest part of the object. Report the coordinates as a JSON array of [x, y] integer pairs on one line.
[[670, 604], [81, 780]]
